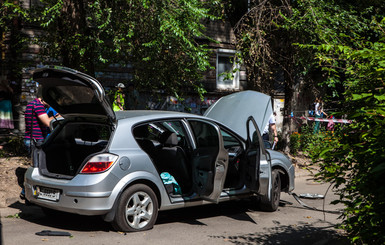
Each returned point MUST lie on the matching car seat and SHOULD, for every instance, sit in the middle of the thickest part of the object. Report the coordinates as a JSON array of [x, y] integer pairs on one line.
[[141, 135], [172, 159]]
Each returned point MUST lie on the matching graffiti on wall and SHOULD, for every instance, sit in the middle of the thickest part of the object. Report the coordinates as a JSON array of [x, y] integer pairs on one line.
[[190, 104]]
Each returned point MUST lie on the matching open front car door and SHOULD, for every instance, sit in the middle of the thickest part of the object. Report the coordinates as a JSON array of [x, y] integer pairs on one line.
[[258, 173], [209, 160]]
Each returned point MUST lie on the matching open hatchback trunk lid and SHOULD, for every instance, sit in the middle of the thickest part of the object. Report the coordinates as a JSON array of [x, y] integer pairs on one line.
[[73, 92], [233, 110], [87, 125]]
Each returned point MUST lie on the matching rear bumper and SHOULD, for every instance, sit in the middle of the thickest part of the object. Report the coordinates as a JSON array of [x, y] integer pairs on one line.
[[75, 196]]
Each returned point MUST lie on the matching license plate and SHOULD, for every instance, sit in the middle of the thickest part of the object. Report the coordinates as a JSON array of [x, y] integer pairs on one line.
[[48, 193]]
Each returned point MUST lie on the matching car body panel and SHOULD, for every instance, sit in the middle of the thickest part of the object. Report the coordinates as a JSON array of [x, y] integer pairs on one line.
[[88, 200], [281, 161], [238, 107]]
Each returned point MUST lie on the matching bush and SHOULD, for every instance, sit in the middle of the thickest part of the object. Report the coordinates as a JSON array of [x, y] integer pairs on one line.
[[13, 147], [309, 143], [353, 159], [295, 143]]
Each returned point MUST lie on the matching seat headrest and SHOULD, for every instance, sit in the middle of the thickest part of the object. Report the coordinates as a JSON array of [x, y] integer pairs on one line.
[[169, 139]]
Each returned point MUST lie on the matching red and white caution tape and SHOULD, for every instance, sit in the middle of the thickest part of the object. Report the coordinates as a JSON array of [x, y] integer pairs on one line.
[[326, 120]]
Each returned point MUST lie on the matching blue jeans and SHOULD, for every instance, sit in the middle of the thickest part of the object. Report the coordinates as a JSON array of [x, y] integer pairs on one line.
[[28, 145]]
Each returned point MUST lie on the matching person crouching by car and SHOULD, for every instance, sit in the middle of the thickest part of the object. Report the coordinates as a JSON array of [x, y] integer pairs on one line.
[[265, 134]]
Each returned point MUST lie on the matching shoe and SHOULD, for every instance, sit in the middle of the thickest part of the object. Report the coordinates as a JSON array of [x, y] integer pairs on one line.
[[22, 194]]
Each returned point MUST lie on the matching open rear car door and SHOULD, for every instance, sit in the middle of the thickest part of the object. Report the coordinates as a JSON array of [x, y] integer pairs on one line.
[[209, 160]]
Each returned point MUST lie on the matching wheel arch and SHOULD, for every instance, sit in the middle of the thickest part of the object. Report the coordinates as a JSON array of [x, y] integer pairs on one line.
[[111, 215], [284, 176], [150, 184]]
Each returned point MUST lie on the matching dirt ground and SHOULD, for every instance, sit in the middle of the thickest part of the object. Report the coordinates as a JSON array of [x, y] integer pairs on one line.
[[12, 171]]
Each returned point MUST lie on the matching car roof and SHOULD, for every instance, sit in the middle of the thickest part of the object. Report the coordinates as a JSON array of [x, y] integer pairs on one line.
[[143, 115], [137, 116]]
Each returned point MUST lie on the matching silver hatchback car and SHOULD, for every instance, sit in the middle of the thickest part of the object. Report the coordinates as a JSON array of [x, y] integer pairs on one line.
[[127, 166]]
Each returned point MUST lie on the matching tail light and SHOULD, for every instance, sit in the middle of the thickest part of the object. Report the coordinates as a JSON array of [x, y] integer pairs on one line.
[[99, 163]]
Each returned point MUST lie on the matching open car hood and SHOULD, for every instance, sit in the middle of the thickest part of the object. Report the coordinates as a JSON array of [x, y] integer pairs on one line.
[[72, 92], [233, 110]]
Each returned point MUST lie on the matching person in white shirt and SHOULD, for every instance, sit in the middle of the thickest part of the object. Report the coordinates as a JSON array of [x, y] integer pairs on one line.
[[271, 125]]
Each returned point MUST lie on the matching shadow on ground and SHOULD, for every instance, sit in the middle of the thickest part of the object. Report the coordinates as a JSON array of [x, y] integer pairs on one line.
[[72, 222], [20, 172], [319, 232], [233, 209], [59, 220], [291, 235]]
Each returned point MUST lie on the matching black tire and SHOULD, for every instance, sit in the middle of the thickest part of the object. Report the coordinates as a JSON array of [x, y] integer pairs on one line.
[[272, 205], [137, 209]]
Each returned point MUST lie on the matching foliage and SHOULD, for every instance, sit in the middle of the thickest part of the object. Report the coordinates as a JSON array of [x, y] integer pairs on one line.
[[14, 147], [12, 37], [262, 43], [14, 216], [158, 39], [295, 143], [266, 34], [309, 143], [8, 11], [356, 164], [347, 42]]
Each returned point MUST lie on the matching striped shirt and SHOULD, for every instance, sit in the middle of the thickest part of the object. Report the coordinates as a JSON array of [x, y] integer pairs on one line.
[[33, 126]]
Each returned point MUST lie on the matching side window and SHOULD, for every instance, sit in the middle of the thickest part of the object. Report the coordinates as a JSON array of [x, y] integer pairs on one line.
[[229, 140], [253, 136], [175, 127], [147, 131], [232, 145], [205, 134], [157, 132]]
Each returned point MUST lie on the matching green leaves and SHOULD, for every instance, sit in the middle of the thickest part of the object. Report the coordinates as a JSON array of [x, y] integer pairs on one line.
[[345, 40], [157, 38]]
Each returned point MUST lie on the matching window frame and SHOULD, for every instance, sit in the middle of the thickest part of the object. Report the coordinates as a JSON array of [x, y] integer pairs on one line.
[[229, 53]]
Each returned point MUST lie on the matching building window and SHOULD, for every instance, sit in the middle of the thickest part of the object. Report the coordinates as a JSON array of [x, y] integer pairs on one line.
[[227, 69]]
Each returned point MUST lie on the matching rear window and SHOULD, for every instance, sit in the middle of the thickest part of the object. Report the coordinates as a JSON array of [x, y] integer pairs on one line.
[[72, 95]]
